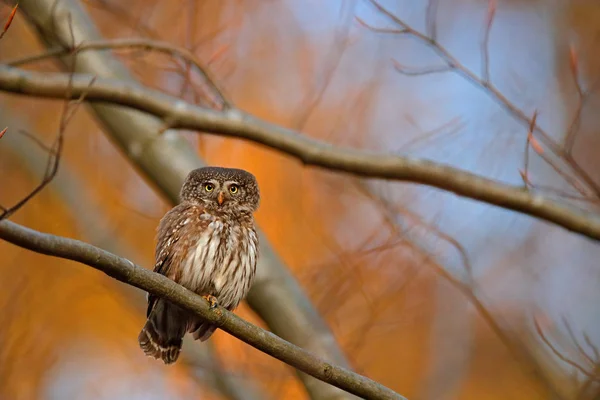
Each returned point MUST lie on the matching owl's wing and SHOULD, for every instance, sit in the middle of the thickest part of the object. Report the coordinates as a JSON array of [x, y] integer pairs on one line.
[[174, 238]]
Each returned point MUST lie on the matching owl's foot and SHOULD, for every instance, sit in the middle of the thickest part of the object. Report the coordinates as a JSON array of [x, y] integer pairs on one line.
[[212, 300]]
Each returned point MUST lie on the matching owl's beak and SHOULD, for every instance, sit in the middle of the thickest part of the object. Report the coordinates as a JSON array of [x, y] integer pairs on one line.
[[220, 198]]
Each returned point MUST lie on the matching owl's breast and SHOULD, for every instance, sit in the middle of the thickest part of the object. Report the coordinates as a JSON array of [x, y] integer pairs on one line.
[[222, 262]]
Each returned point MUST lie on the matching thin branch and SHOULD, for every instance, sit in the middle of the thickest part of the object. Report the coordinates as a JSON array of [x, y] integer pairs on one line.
[[468, 289], [594, 348], [411, 71], [485, 48], [561, 356], [525, 173], [190, 31], [132, 44], [9, 20], [54, 152], [561, 194], [332, 63], [380, 30], [430, 18], [487, 87], [38, 142], [235, 123], [121, 15], [573, 128], [447, 129], [537, 147], [581, 350], [159, 285]]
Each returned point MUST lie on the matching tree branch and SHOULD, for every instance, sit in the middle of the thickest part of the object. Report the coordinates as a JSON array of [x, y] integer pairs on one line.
[[159, 285], [590, 374], [132, 44], [236, 123]]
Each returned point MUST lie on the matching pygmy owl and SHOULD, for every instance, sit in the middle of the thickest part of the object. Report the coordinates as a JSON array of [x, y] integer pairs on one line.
[[208, 244]]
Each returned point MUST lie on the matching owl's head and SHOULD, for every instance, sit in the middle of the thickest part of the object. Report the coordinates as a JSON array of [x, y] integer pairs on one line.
[[221, 189]]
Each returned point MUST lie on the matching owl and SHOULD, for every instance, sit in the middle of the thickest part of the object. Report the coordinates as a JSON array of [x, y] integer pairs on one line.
[[208, 244]]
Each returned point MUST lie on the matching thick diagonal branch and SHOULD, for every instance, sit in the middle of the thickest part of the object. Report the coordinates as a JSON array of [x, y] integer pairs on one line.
[[236, 123], [159, 285]]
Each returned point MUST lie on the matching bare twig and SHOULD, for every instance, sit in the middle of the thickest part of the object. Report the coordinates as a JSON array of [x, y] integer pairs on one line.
[[11, 16], [581, 350], [430, 22], [380, 30], [36, 140], [55, 151], [132, 44], [122, 15], [190, 31], [332, 63], [525, 172], [561, 194], [159, 285], [448, 128], [572, 132], [468, 289], [453, 65], [593, 347], [533, 143], [409, 71], [485, 48], [561, 356], [236, 123]]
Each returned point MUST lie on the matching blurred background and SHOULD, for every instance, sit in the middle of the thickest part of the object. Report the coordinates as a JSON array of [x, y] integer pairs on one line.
[[435, 296]]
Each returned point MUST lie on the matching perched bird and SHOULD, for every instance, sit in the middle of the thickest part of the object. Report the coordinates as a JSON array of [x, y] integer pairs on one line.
[[208, 244]]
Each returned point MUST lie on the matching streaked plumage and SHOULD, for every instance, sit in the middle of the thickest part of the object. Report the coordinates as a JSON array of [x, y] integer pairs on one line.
[[207, 243]]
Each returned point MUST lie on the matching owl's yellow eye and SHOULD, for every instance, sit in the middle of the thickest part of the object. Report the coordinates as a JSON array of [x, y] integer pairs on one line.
[[209, 187], [233, 189]]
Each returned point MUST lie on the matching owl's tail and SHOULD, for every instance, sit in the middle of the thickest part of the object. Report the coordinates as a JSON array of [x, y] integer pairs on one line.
[[162, 335], [202, 330]]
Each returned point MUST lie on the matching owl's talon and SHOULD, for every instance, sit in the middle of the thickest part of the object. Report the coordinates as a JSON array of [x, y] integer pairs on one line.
[[212, 301]]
